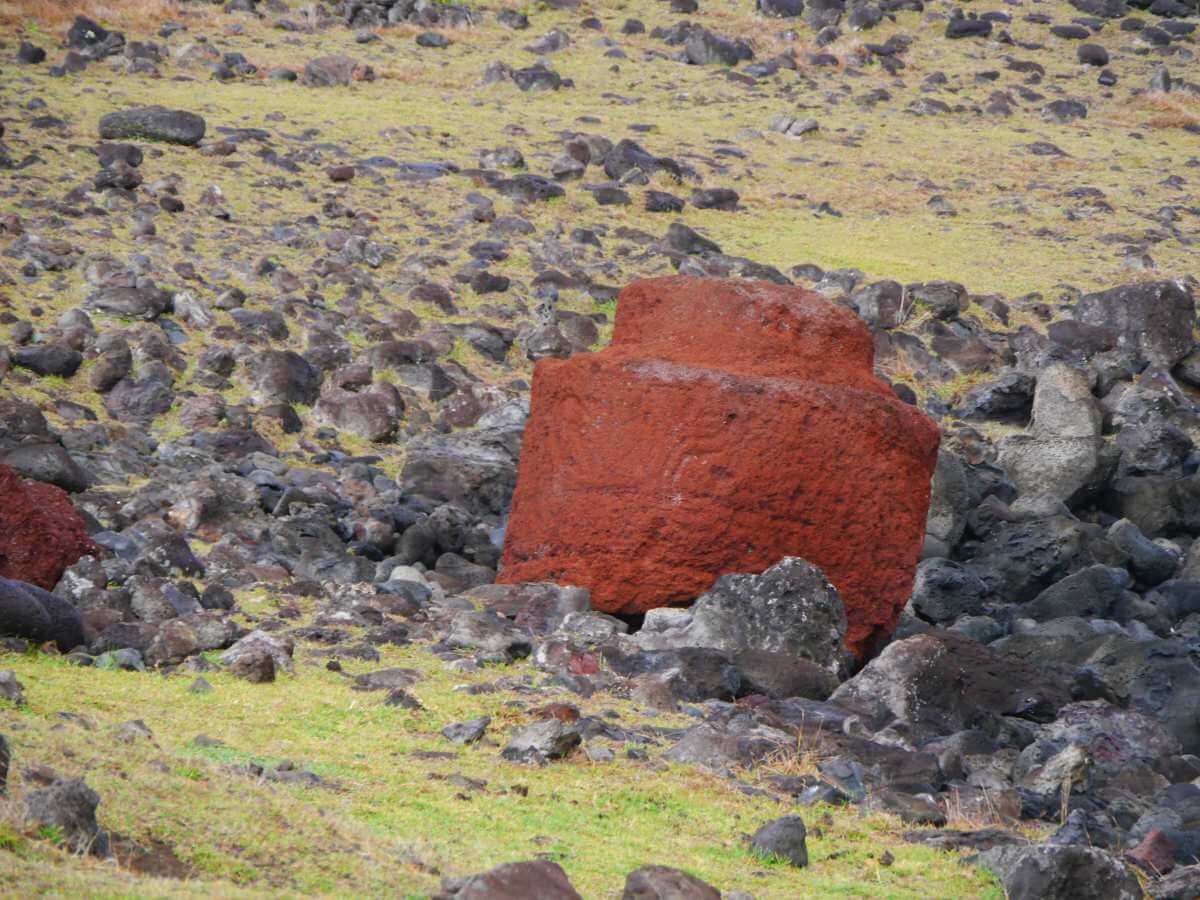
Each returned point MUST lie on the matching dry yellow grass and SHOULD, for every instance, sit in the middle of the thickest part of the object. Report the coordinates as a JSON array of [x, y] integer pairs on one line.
[[59, 14], [1174, 110]]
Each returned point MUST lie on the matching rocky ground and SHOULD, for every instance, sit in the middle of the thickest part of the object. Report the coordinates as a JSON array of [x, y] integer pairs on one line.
[[273, 278]]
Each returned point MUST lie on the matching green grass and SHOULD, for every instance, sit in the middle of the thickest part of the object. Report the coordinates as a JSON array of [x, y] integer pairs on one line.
[[875, 166], [385, 806]]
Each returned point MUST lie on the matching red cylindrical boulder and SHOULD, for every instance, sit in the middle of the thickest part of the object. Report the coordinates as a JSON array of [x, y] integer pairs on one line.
[[730, 423]]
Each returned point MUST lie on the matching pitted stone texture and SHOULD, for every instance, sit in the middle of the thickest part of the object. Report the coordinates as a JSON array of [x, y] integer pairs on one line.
[[791, 608], [731, 423], [41, 533], [1063, 406]]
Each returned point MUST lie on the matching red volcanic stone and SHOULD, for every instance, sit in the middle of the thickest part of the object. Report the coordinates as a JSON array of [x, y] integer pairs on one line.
[[730, 423], [1155, 854], [41, 533]]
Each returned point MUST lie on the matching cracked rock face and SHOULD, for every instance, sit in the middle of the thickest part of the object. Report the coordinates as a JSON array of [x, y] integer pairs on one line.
[[730, 424]]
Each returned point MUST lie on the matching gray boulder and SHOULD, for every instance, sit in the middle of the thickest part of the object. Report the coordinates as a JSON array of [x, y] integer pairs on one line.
[[939, 683], [1151, 563], [944, 590], [146, 302], [539, 606], [369, 414], [1064, 456], [1100, 750], [703, 48], [468, 732], [721, 748], [153, 123], [1091, 593], [1018, 561], [476, 469], [1051, 872], [1063, 405], [49, 463], [336, 71], [1175, 815], [790, 608], [785, 838], [284, 376], [69, 807], [1068, 469], [27, 611], [1156, 677], [542, 741], [784, 9], [487, 633], [245, 657], [1152, 320], [48, 359], [1181, 884], [949, 502], [10, 688]]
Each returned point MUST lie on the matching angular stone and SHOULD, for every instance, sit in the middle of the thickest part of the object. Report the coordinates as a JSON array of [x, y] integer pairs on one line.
[[477, 468], [69, 807], [1048, 872], [656, 465], [790, 608], [541, 742], [940, 683], [467, 732], [784, 838], [1153, 320], [337, 70], [1063, 406], [48, 463]]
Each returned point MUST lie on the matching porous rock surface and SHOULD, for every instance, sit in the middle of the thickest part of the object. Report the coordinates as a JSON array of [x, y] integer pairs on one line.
[[41, 533], [730, 424]]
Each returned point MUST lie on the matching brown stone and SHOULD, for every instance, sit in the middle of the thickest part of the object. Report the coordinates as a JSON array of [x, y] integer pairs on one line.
[[730, 423]]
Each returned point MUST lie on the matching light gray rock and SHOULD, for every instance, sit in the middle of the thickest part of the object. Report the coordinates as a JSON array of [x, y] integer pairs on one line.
[[487, 633], [542, 741], [1063, 405], [1063, 456], [789, 608], [279, 648], [1066, 469]]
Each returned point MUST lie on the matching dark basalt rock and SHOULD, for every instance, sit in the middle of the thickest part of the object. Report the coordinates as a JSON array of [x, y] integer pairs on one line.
[[153, 123]]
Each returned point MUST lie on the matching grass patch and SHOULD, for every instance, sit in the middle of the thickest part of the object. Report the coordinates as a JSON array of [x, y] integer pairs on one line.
[[392, 818]]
